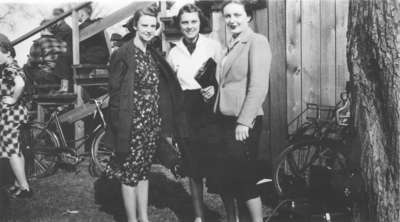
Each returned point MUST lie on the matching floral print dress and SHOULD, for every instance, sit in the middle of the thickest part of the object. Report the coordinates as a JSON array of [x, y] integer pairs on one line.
[[146, 122], [11, 117]]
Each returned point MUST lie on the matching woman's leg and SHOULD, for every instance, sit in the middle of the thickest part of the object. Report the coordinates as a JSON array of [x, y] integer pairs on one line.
[[142, 196], [255, 209], [196, 189], [129, 197], [230, 208], [17, 164]]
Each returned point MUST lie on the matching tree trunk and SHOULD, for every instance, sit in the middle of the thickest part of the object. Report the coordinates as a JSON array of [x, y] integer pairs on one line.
[[373, 57]]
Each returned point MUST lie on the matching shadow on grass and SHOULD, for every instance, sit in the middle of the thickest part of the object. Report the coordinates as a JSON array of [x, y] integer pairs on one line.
[[164, 192]]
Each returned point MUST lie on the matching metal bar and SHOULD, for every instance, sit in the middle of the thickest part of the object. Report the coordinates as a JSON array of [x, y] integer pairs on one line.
[[112, 19], [53, 21]]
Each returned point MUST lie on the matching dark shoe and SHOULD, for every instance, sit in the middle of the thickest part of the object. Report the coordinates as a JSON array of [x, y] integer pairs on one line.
[[23, 193]]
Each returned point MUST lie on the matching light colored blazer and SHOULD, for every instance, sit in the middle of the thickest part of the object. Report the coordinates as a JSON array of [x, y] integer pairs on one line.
[[244, 78]]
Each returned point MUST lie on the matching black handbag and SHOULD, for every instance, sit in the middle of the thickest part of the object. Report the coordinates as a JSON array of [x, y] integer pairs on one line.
[[168, 153], [206, 74]]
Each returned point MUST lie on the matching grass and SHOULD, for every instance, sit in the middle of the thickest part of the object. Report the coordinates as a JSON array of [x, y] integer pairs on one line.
[[76, 196]]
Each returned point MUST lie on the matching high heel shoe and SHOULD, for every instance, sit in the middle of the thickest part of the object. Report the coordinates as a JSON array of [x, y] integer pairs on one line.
[[11, 190]]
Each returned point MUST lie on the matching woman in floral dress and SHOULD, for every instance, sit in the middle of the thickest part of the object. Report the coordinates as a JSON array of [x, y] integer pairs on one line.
[[13, 113], [143, 103]]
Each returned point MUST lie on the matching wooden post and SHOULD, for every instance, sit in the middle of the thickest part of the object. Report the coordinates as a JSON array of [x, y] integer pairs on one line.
[[79, 125], [278, 88], [163, 13]]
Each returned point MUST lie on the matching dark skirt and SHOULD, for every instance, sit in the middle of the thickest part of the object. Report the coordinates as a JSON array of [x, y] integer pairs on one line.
[[235, 162], [201, 140]]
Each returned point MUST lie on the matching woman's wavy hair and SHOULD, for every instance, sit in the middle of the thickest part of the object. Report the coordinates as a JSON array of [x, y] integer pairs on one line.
[[190, 8], [150, 11], [247, 4]]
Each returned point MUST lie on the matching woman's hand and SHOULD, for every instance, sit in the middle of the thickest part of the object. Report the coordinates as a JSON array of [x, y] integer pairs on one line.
[[208, 92], [241, 132], [8, 100]]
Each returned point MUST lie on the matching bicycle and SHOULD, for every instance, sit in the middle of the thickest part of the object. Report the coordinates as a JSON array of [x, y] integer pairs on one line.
[[315, 152], [45, 146]]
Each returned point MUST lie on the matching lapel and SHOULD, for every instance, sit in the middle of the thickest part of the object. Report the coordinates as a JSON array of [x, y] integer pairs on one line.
[[130, 61], [182, 47], [236, 51]]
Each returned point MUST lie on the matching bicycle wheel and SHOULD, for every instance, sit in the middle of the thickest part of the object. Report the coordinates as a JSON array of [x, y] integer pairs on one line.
[[38, 145], [293, 168], [101, 151]]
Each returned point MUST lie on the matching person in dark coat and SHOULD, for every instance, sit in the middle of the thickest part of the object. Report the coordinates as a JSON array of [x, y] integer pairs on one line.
[[115, 41], [61, 29], [144, 107], [42, 60], [93, 50]]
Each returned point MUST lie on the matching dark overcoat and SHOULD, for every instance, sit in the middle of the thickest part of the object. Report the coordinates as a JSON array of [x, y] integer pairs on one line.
[[121, 86]]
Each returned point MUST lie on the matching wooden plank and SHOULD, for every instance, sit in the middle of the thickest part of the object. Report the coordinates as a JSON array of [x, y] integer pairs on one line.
[[278, 88], [261, 26], [79, 125], [112, 19], [261, 18], [293, 60], [311, 58], [328, 61], [51, 22], [342, 73], [219, 30]]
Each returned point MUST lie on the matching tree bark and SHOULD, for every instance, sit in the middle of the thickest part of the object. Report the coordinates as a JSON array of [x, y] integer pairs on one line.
[[373, 52]]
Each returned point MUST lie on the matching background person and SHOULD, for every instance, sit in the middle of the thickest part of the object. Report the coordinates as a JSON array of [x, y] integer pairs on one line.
[[243, 86], [93, 50], [116, 41], [61, 29], [12, 114], [186, 59], [43, 54]]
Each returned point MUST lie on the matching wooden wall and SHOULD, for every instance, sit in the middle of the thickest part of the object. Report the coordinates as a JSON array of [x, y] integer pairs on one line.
[[308, 42]]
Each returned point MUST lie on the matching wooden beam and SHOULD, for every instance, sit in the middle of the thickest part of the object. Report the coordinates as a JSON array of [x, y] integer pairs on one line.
[[278, 87], [40, 28], [293, 61], [79, 125], [328, 47], [342, 72], [112, 19]]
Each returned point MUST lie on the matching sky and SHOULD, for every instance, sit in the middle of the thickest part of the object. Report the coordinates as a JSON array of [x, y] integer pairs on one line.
[[29, 13]]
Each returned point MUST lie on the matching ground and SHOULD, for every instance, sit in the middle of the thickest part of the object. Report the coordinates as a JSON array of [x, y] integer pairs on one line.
[[76, 196]]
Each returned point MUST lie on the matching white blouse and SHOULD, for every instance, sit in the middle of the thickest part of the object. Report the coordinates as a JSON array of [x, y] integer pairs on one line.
[[186, 65]]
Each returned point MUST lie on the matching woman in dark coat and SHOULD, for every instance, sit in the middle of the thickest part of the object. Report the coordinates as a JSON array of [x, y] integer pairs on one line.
[[144, 97]]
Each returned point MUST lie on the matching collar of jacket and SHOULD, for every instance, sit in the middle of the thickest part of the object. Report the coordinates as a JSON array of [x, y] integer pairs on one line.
[[244, 36]]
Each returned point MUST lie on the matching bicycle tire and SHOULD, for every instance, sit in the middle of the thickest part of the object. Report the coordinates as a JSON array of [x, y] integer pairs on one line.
[[38, 144], [101, 152], [292, 167]]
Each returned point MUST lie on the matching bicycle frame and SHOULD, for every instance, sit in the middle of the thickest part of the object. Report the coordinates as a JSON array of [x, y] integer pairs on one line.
[[54, 118]]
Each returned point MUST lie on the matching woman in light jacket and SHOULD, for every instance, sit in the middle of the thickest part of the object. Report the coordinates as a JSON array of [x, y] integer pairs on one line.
[[243, 86], [186, 59]]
